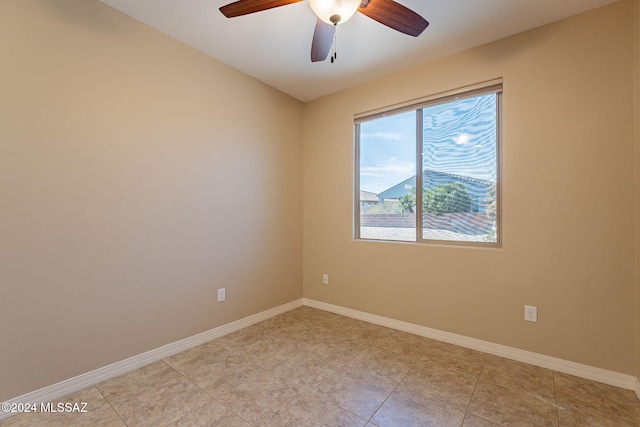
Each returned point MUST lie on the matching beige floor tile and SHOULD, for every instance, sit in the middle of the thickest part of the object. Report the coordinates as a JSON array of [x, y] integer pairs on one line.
[[311, 367], [510, 407], [305, 369], [439, 383], [569, 417], [317, 315], [240, 340], [404, 343], [317, 319], [383, 363], [278, 324], [216, 378], [232, 420], [210, 414], [357, 392], [313, 411], [261, 398], [598, 399], [314, 334], [102, 418], [400, 409], [98, 413], [475, 421], [197, 357], [128, 386], [367, 333], [340, 322], [454, 358], [338, 349], [163, 405], [518, 376], [271, 351]]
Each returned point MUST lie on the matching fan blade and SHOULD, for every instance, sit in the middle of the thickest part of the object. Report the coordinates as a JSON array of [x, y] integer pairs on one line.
[[322, 40], [394, 15], [245, 7]]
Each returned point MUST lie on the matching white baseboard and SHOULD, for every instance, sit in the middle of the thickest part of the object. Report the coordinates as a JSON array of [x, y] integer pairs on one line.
[[572, 368], [63, 388]]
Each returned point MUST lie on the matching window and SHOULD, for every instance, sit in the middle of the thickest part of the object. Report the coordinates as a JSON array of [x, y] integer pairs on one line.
[[445, 149]]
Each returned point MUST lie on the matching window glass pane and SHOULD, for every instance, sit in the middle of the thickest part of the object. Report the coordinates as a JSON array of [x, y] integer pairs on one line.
[[387, 173], [459, 164]]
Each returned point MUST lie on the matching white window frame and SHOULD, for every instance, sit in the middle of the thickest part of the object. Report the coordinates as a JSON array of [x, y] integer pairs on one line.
[[494, 86]]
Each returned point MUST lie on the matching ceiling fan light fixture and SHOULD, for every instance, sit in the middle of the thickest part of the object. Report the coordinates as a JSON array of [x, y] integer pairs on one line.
[[334, 11]]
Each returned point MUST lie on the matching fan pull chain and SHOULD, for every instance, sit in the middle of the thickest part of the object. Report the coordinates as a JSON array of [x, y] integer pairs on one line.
[[334, 54]]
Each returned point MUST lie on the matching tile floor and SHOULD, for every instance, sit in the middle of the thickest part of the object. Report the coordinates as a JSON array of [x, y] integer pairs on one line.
[[312, 368]]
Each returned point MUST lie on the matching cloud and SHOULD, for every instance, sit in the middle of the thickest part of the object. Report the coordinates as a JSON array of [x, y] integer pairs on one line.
[[382, 175], [462, 139], [385, 136], [391, 169]]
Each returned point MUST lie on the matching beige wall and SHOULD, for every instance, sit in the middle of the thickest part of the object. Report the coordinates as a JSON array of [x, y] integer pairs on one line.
[[137, 176], [568, 205], [637, 182]]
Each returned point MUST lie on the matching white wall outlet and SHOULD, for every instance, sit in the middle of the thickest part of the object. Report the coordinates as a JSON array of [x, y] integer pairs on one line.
[[325, 279], [531, 313], [222, 294]]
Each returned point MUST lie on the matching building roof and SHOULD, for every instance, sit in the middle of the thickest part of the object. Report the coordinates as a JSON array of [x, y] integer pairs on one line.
[[405, 186], [368, 196]]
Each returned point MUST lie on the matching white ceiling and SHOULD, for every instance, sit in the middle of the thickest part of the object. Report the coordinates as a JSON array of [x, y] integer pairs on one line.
[[274, 45]]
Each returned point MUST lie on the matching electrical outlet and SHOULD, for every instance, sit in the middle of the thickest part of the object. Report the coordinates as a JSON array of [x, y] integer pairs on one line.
[[325, 279], [221, 294], [531, 313]]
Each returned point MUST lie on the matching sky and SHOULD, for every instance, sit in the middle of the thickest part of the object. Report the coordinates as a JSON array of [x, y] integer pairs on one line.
[[459, 138], [387, 151]]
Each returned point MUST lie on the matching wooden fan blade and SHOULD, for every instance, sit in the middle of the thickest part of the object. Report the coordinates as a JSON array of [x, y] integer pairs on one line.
[[245, 7], [394, 15], [322, 40]]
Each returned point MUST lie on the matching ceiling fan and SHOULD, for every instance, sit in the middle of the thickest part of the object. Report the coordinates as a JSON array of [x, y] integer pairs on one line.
[[330, 13]]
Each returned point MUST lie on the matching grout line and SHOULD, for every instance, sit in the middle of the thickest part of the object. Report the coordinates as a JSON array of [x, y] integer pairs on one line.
[[475, 387], [555, 396], [110, 404], [208, 394], [383, 402], [400, 381], [205, 391]]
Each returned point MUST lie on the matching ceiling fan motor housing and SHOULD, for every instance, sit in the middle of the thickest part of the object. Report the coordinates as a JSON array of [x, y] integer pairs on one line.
[[334, 11]]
